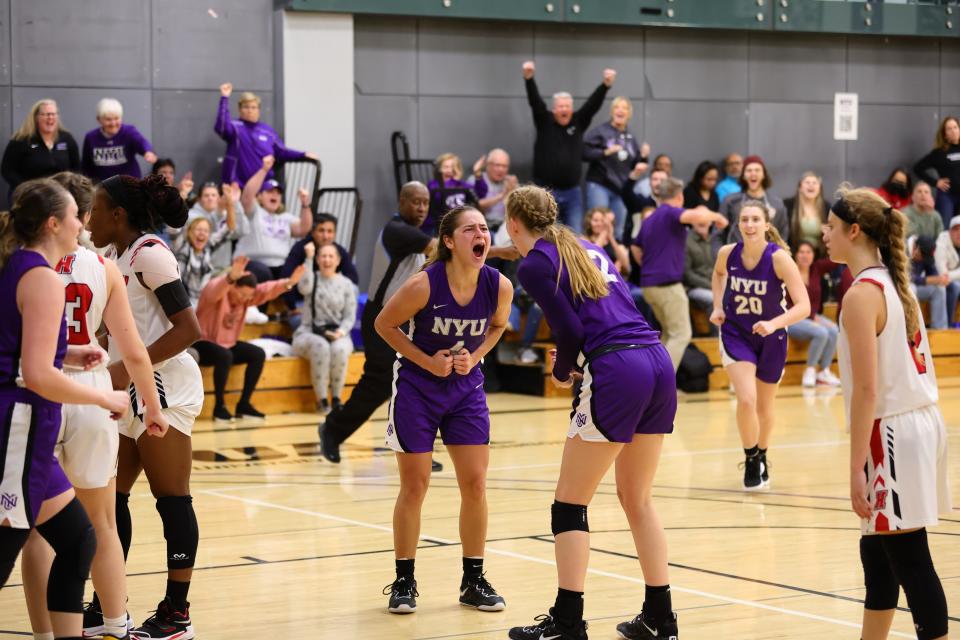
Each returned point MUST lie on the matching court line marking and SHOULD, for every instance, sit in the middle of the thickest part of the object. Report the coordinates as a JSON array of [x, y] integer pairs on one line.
[[528, 558]]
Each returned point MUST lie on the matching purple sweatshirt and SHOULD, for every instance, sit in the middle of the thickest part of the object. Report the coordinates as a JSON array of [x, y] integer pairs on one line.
[[247, 144], [104, 157]]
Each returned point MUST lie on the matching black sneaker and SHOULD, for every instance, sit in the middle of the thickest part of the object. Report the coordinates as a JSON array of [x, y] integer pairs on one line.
[[335, 403], [752, 473], [403, 595], [643, 628], [166, 623], [221, 415], [323, 407], [435, 466], [248, 413], [329, 448], [764, 469], [547, 628], [476, 592], [93, 621]]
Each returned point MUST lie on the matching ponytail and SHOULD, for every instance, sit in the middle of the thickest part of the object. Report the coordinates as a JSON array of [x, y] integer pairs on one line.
[[585, 278], [8, 239], [773, 235]]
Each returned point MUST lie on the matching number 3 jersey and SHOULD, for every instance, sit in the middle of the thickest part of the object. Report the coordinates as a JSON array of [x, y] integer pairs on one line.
[[85, 284], [754, 294]]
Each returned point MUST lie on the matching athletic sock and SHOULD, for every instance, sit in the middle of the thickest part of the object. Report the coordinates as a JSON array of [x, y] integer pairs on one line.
[[657, 602], [177, 592], [405, 568], [568, 609], [46, 635], [116, 626], [472, 568], [752, 451]]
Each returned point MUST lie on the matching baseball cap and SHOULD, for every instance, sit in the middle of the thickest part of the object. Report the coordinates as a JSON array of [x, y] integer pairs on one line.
[[269, 185]]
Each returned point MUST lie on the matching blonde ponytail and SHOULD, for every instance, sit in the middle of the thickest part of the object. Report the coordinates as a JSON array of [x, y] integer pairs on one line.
[[772, 235], [8, 239]]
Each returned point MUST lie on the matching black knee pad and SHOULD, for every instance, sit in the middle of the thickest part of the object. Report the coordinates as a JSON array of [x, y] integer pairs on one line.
[[180, 530], [73, 540], [910, 560], [568, 517], [883, 589], [11, 542]]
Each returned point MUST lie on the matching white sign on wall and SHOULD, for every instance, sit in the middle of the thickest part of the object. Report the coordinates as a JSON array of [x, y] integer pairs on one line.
[[845, 115]]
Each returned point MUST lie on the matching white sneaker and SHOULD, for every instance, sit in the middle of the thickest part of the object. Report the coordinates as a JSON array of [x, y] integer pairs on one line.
[[255, 316], [529, 356], [809, 377], [826, 377]]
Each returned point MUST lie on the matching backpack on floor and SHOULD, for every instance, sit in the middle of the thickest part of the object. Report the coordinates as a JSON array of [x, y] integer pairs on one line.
[[693, 375]]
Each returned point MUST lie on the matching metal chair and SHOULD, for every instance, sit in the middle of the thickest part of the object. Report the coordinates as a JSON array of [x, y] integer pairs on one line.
[[345, 204], [406, 168], [301, 174]]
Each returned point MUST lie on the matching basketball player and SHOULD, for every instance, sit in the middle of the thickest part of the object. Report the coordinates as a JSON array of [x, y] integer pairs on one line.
[[898, 443], [34, 492], [87, 447], [625, 401], [126, 211], [457, 308], [750, 308]]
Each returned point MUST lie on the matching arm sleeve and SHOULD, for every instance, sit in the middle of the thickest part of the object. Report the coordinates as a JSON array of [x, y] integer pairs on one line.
[[282, 153], [589, 109], [537, 106], [218, 237], [305, 285], [928, 168], [11, 163], [86, 159], [224, 125], [480, 187], [295, 258], [349, 307], [538, 278], [347, 268], [140, 142], [404, 239], [267, 291], [593, 145]]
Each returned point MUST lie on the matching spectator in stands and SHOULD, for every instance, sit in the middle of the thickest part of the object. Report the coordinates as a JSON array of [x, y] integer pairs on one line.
[[222, 308], [195, 255], [165, 167], [897, 188], [941, 168], [613, 154], [401, 250], [41, 147], [248, 140], [271, 230], [323, 233], [923, 218], [947, 257], [659, 250], [927, 283], [450, 176], [213, 206], [558, 149], [702, 189], [500, 182], [660, 163], [698, 267], [113, 147], [754, 183], [732, 170], [598, 228], [330, 311], [821, 332], [807, 210]]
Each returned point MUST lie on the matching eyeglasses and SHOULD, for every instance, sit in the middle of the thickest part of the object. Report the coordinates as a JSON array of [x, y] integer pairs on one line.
[[47, 115]]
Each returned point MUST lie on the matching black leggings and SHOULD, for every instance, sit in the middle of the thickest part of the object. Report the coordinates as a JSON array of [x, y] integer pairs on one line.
[[222, 359]]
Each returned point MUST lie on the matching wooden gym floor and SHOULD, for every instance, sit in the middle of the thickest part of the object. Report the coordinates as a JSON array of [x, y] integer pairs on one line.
[[292, 546]]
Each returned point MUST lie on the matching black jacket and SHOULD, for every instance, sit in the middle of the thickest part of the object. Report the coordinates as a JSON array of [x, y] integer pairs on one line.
[[28, 159]]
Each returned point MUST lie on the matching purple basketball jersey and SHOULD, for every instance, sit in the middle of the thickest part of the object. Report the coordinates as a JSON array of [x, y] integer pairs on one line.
[[444, 324], [752, 294]]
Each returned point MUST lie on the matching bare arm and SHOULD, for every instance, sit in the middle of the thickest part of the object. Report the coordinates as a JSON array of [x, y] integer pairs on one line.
[[718, 283], [250, 190], [788, 271], [637, 253], [302, 226], [410, 298]]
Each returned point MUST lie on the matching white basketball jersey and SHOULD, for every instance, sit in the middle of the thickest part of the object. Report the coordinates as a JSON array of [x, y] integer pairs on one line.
[[85, 283], [148, 315], [905, 376]]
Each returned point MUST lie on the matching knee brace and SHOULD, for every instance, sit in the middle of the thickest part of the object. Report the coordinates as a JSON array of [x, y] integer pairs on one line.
[[910, 560], [180, 530], [71, 535], [883, 590], [11, 542], [568, 517]]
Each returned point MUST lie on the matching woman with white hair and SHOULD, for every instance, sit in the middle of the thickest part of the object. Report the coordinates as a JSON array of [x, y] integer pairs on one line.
[[112, 148], [41, 147]]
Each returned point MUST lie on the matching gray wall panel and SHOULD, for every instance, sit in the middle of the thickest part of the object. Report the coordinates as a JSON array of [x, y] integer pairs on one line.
[[709, 131], [696, 65], [201, 45], [950, 74], [472, 58], [904, 135], [106, 44], [809, 68], [895, 70], [385, 59], [5, 132], [809, 139], [4, 42], [569, 59]]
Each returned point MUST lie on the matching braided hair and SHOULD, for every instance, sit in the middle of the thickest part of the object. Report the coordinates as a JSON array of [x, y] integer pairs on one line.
[[150, 202]]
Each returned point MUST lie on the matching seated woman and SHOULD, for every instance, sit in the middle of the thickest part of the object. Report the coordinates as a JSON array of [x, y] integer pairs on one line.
[[807, 211], [329, 313], [598, 228], [820, 331], [702, 189], [450, 176], [214, 206], [195, 256], [221, 310]]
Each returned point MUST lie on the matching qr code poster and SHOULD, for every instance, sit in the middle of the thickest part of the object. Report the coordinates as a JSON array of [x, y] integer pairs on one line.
[[845, 111]]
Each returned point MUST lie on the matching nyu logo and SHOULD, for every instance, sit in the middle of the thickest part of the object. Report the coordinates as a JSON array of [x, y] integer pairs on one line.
[[389, 429], [8, 501], [443, 326], [748, 286], [581, 420], [109, 156]]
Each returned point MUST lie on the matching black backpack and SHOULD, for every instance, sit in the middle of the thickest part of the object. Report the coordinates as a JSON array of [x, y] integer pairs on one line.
[[693, 375]]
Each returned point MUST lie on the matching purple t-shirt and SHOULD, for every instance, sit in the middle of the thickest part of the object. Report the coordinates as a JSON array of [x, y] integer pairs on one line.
[[581, 326], [104, 157], [247, 144], [663, 239]]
